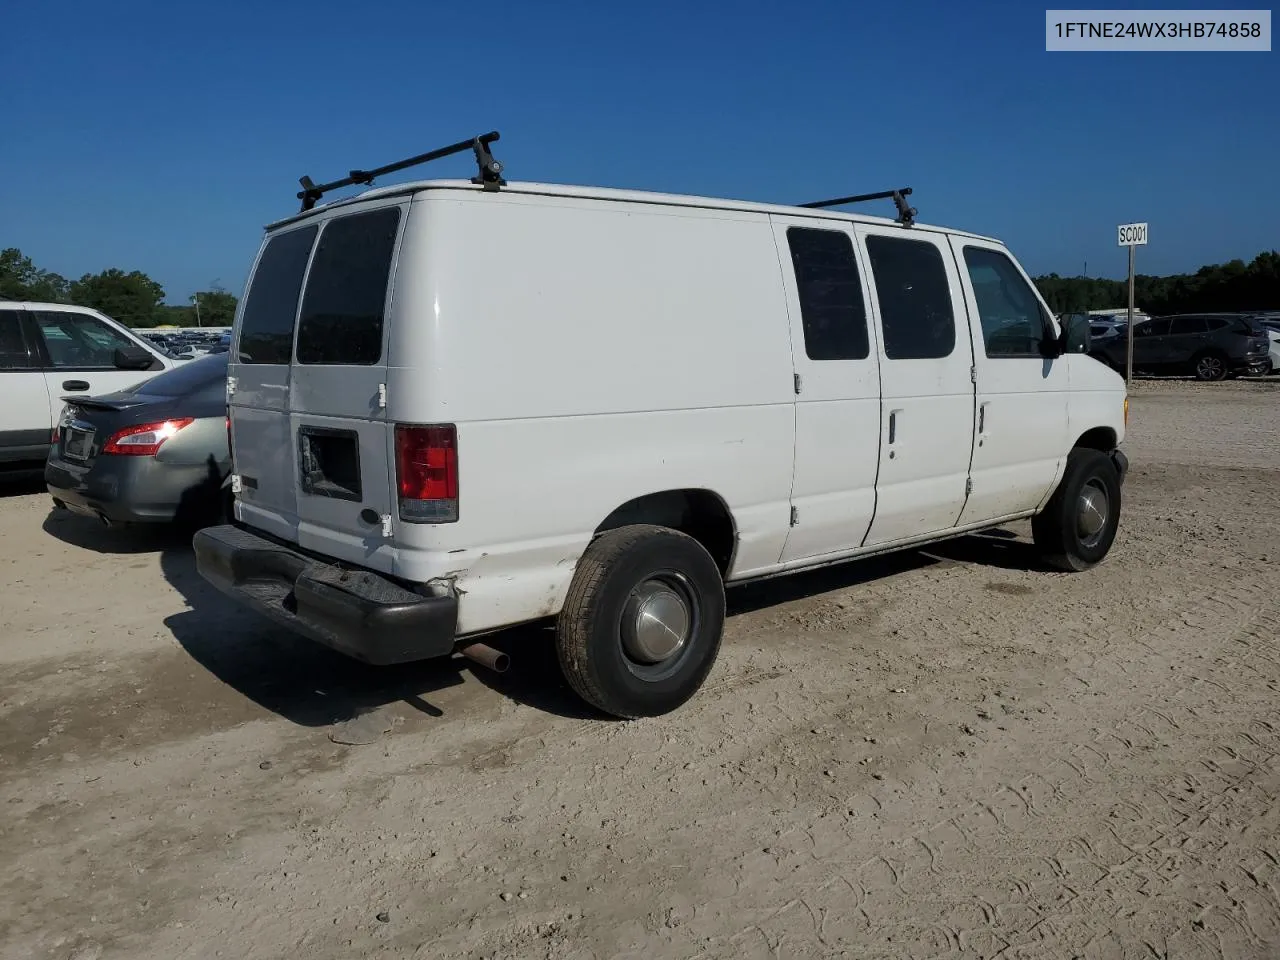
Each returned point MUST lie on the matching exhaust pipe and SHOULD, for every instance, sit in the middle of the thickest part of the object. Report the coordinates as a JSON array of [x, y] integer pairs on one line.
[[482, 653]]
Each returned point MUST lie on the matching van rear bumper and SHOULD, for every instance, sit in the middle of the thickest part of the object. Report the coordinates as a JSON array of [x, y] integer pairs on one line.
[[354, 611]]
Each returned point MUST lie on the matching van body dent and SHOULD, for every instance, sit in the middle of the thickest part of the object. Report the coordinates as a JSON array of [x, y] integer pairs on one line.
[[455, 409]]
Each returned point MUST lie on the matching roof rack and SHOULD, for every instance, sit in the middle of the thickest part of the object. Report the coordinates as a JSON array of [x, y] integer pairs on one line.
[[490, 175], [906, 214]]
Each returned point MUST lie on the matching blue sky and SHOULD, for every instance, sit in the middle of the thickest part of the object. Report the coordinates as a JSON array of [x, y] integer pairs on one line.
[[161, 136]]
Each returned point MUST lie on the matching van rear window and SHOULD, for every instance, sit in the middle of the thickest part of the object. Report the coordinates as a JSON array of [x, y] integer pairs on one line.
[[342, 309], [266, 327]]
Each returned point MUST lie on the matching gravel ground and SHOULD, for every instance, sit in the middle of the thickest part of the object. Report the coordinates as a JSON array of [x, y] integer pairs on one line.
[[946, 753]]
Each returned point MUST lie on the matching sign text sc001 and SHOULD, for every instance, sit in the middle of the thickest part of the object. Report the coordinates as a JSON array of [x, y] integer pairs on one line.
[[1133, 234]]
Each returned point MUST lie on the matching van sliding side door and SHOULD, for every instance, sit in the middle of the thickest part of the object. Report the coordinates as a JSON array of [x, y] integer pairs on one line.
[[837, 388], [927, 392]]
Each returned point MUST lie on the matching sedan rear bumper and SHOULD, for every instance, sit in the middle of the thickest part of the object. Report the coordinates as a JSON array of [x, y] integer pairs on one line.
[[354, 611], [133, 489]]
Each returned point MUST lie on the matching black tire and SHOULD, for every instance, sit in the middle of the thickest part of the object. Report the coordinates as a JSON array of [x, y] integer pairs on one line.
[[616, 573], [1210, 365], [1057, 530]]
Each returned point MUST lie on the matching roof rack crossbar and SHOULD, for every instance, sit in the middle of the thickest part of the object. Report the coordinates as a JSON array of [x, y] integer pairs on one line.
[[906, 214], [489, 176]]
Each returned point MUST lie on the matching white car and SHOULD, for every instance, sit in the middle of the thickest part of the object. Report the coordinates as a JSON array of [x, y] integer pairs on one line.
[[457, 406], [1272, 327], [52, 350]]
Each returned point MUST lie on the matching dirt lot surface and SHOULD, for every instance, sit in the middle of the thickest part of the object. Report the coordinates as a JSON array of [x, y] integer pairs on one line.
[[949, 753]]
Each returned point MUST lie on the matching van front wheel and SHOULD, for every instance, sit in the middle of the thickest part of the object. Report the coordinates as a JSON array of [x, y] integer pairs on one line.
[[1078, 524], [641, 625]]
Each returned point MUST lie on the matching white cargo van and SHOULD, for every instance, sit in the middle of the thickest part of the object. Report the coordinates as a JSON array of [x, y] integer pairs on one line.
[[461, 405]]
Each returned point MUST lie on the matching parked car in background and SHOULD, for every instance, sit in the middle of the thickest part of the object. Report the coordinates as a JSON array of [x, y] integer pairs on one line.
[[1209, 346], [1270, 324], [48, 350], [1100, 331], [155, 453], [171, 346]]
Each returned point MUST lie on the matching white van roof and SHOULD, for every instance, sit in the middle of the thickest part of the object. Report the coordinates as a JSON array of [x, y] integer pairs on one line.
[[619, 196]]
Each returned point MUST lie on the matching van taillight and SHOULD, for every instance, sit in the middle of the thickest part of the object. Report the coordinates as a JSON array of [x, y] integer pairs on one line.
[[427, 473]]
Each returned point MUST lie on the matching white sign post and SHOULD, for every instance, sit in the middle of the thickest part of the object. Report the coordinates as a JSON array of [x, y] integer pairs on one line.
[[1131, 235]]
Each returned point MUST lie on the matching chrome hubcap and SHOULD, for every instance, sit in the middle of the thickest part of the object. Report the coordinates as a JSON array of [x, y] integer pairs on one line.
[[655, 623], [1091, 512]]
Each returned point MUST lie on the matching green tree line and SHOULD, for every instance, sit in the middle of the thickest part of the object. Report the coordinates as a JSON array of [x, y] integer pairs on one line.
[[132, 298], [137, 300], [1227, 287]]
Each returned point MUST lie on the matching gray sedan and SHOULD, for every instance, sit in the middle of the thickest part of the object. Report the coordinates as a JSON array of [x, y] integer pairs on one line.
[[155, 453]]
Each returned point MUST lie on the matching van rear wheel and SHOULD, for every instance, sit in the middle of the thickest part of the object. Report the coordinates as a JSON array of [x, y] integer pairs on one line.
[[1078, 525], [641, 625]]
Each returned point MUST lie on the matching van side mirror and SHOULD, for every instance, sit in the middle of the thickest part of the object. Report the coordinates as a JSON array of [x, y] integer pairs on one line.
[[1075, 334], [1050, 342], [132, 358]]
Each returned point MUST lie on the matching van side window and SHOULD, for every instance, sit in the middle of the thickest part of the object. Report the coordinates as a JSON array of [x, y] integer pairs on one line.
[[915, 302], [347, 290], [831, 308], [1013, 323], [266, 327]]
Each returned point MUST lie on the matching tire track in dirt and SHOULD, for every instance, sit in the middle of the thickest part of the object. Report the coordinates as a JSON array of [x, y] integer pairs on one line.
[[1213, 816]]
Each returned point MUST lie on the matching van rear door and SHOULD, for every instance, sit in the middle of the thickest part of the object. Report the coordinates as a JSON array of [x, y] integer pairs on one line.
[[339, 439], [258, 375]]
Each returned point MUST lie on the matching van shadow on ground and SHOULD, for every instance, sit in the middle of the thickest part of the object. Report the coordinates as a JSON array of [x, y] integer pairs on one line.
[[302, 681], [312, 686]]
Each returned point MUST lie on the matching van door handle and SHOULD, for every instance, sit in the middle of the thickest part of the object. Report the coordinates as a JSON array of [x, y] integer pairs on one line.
[[982, 418], [893, 425], [76, 386]]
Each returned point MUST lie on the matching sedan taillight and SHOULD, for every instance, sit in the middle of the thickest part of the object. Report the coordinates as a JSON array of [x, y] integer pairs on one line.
[[145, 439]]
